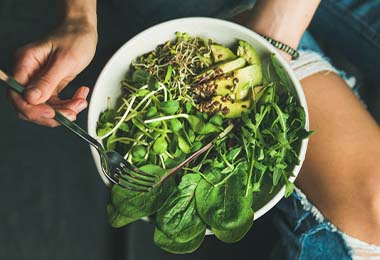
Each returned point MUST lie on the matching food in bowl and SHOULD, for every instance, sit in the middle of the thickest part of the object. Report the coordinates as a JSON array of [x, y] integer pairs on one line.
[[175, 100]]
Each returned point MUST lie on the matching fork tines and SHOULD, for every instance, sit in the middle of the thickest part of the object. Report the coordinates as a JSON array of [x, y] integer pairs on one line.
[[134, 179]]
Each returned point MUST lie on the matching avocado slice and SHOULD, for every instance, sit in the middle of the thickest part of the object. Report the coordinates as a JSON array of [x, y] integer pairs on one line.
[[225, 106], [236, 83], [229, 66], [221, 53], [221, 68], [248, 77], [249, 53]]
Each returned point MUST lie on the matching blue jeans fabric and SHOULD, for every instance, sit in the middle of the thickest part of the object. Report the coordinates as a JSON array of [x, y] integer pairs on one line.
[[352, 28], [303, 237]]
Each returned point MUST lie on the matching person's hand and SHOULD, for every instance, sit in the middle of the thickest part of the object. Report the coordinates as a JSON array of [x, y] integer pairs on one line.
[[47, 66]]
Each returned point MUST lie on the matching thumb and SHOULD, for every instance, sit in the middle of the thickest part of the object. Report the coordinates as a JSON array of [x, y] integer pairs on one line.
[[42, 88]]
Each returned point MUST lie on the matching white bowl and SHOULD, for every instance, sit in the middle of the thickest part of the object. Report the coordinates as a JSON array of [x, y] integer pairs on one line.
[[224, 32]]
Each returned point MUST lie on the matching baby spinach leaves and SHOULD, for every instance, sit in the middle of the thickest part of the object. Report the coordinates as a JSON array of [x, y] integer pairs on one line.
[[135, 205], [178, 218], [116, 219], [168, 244], [224, 206]]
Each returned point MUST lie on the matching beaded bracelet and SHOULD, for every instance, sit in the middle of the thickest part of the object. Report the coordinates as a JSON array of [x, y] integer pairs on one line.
[[282, 46]]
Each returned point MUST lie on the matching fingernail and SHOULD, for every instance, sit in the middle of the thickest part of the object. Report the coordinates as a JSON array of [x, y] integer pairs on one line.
[[82, 105], [34, 93], [86, 92], [47, 114]]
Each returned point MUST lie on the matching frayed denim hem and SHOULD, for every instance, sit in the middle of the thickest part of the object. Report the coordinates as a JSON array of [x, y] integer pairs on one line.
[[311, 62], [357, 249]]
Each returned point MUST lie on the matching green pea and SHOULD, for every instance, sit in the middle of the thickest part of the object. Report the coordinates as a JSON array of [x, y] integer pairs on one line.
[[139, 151], [169, 107], [175, 125], [160, 145]]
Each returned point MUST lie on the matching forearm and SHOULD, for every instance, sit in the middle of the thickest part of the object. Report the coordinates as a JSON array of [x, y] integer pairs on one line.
[[282, 20], [83, 10]]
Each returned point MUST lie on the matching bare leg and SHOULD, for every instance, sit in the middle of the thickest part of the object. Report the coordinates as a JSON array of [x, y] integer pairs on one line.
[[341, 173]]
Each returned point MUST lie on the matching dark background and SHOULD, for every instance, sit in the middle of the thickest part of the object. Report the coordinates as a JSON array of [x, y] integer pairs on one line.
[[52, 202]]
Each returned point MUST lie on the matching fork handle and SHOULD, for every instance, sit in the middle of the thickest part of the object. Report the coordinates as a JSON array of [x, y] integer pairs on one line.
[[73, 127]]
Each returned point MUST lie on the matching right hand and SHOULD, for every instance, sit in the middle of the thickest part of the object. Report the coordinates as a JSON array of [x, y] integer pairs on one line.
[[47, 66]]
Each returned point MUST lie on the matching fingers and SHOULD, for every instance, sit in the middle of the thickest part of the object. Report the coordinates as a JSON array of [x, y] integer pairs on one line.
[[76, 105], [40, 114], [43, 114], [81, 93], [27, 63], [45, 73], [42, 88]]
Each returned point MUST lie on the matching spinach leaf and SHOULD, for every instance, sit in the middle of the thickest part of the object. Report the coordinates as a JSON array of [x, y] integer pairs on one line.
[[224, 206], [135, 204], [116, 219], [178, 218], [233, 235], [170, 245]]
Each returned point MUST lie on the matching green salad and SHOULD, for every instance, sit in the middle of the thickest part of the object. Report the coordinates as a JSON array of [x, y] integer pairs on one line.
[[176, 99]]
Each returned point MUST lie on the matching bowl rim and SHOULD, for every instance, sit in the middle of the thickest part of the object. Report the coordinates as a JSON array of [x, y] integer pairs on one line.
[[234, 26]]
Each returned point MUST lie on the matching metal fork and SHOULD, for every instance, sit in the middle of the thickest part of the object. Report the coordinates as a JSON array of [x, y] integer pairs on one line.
[[118, 170], [115, 167]]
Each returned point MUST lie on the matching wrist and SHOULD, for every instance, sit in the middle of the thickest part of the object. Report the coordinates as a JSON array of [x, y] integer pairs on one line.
[[80, 11], [284, 21], [83, 18]]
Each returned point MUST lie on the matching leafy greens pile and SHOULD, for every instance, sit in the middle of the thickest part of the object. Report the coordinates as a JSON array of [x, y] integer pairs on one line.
[[175, 100]]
